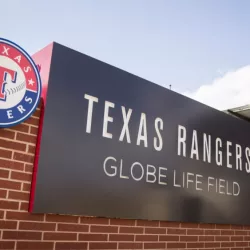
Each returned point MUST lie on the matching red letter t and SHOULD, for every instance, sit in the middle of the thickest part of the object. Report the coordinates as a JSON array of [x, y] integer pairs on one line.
[[3, 80]]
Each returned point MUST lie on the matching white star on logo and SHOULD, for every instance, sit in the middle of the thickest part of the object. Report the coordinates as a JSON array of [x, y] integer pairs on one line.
[[31, 82]]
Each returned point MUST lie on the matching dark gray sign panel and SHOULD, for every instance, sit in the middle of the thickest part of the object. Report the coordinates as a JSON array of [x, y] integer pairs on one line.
[[116, 145]]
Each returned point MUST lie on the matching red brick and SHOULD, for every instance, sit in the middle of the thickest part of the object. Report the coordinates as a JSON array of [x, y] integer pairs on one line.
[[7, 245], [26, 187], [5, 153], [71, 245], [102, 245], [23, 157], [227, 244], [131, 230], [93, 237], [33, 130], [222, 238], [61, 218], [240, 232], [207, 226], [122, 222], [155, 230], [11, 164], [176, 231], [246, 238], [212, 232], [227, 232], [10, 184], [1, 214], [32, 121], [104, 229], [32, 245], [73, 228], [195, 231], [7, 134], [188, 238], [121, 237], [222, 226], [21, 128], [19, 196], [29, 168], [19, 235], [169, 224], [154, 245], [24, 216], [12, 145], [13, 205], [4, 173], [94, 220], [189, 225], [130, 245], [195, 245], [206, 238], [60, 236], [238, 227], [4, 224], [146, 237], [168, 238], [37, 226], [24, 206], [37, 113], [26, 138], [236, 238], [21, 176], [146, 223], [176, 245], [3, 193], [212, 244], [241, 244], [40, 105]]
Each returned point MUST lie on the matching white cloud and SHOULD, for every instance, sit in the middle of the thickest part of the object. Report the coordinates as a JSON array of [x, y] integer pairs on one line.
[[231, 90]]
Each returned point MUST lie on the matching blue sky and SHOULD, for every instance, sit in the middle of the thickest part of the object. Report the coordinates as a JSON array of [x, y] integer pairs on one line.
[[185, 43]]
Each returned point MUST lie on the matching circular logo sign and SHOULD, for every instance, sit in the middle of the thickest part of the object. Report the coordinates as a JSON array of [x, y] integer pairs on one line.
[[20, 84]]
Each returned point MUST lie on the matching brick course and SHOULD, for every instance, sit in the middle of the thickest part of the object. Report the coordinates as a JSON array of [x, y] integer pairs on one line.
[[20, 230]]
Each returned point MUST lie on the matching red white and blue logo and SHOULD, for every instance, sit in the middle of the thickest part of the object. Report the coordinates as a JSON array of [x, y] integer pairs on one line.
[[20, 84]]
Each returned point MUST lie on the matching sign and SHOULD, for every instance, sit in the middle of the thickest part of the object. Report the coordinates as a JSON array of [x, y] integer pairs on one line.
[[20, 84], [116, 145]]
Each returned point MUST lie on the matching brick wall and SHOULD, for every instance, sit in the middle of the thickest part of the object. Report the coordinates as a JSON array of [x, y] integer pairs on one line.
[[22, 230]]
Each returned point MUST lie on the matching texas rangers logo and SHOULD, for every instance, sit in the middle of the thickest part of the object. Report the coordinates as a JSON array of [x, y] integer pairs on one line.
[[20, 84]]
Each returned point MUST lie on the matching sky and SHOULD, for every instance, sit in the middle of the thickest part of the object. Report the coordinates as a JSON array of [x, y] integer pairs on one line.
[[200, 47]]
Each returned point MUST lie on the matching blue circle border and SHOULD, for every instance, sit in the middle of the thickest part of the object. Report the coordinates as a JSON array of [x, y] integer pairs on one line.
[[39, 83]]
